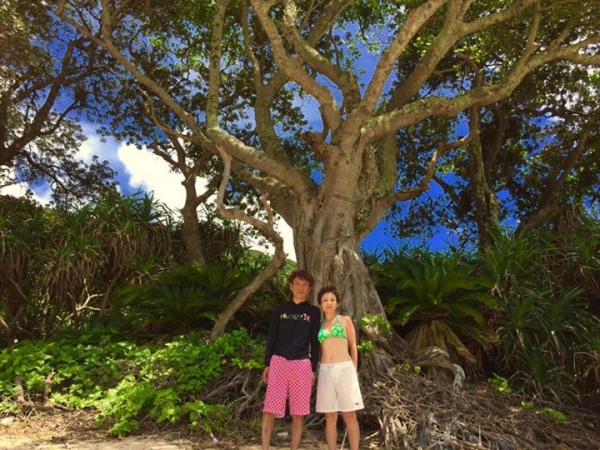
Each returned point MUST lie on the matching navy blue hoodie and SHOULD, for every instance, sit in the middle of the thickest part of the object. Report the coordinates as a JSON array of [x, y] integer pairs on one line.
[[293, 332]]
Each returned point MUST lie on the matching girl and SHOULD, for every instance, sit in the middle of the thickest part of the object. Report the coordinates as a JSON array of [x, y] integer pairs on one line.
[[337, 385]]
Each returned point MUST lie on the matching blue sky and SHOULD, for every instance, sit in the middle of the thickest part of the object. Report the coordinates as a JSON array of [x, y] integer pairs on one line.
[[141, 170]]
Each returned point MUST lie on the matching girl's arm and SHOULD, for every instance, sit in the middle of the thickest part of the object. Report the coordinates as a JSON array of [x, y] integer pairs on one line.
[[351, 334]]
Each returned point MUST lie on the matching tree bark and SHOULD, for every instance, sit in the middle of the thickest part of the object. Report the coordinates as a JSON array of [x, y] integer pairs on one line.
[[330, 251], [190, 231], [486, 205]]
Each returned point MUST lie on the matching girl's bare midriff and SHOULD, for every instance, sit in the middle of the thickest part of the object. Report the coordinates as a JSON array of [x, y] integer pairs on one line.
[[334, 350]]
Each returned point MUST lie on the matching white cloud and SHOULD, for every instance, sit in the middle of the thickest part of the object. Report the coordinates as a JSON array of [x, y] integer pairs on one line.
[[103, 147], [150, 173], [288, 239], [285, 231], [90, 147], [41, 194]]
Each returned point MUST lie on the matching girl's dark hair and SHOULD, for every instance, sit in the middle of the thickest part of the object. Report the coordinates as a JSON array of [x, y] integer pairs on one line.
[[326, 290], [303, 275]]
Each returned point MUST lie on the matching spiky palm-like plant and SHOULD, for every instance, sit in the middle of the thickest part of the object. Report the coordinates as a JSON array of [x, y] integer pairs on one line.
[[179, 300], [57, 267], [440, 299]]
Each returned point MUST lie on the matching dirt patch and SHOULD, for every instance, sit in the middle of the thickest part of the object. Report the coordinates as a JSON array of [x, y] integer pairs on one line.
[[76, 430], [410, 411]]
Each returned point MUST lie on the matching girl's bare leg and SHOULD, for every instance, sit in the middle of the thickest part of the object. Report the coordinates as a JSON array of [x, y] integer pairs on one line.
[[353, 429], [331, 430]]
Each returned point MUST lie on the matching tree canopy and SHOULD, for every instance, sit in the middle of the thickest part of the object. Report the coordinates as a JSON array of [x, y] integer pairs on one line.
[[48, 73], [341, 110]]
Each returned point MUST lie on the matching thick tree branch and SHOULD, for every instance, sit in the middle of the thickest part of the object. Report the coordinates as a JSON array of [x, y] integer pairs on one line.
[[452, 30], [286, 175], [214, 72], [265, 94], [267, 228], [344, 79], [249, 50], [448, 36], [282, 196], [445, 107], [389, 57], [293, 69], [498, 17]]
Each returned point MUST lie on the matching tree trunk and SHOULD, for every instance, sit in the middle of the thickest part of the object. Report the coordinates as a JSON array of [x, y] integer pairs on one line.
[[486, 205], [336, 261], [326, 245], [190, 231]]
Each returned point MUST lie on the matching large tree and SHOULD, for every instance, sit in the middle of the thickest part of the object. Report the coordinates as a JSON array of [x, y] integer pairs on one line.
[[344, 65]]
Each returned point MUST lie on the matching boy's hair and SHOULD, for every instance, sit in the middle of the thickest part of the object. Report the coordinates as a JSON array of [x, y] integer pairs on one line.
[[303, 275], [327, 290]]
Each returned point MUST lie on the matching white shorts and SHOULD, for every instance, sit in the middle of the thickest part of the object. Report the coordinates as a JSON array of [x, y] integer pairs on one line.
[[338, 389]]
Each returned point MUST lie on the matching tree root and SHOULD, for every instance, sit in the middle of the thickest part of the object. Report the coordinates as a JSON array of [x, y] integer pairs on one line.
[[404, 410], [389, 347]]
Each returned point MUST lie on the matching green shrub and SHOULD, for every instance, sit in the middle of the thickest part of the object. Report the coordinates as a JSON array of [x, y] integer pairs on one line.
[[128, 383], [547, 339]]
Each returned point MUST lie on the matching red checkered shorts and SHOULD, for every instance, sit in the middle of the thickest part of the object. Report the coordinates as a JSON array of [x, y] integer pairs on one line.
[[288, 379]]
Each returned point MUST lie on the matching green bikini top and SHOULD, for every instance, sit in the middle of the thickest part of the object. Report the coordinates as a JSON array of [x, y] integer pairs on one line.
[[337, 330]]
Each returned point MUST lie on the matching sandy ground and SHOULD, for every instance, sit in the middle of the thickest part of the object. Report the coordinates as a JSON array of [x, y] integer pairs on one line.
[[147, 442], [150, 442], [77, 431], [129, 443]]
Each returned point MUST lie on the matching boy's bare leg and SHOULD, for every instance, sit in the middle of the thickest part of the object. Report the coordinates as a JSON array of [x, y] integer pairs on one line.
[[297, 425], [268, 423]]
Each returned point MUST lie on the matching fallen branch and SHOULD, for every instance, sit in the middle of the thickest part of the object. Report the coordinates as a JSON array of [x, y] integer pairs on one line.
[[47, 385], [411, 411], [20, 392]]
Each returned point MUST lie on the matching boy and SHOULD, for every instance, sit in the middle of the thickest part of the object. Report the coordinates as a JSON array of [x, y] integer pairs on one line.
[[291, 359]]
